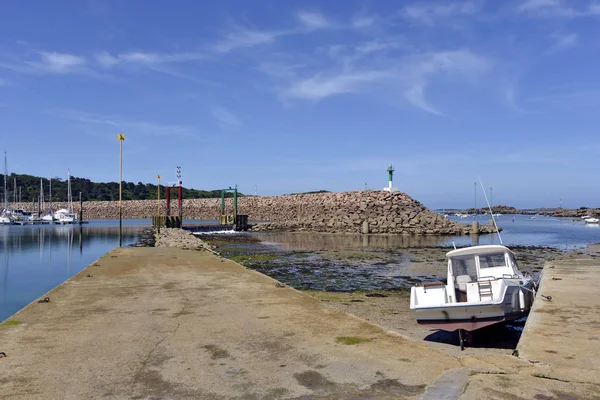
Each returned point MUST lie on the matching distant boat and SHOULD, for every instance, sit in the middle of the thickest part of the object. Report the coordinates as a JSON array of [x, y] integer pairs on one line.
[[66, 215], [22, 216], [5, 215], [586, 216], [592, 220]]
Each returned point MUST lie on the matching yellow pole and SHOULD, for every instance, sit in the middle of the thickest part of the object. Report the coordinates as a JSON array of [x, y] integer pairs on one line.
[[121, 137], [158, 203]]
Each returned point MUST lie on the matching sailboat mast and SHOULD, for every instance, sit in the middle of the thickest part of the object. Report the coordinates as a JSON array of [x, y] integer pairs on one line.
[[50, 194], [5, 188], [69, 197], [15, 190], [42, 194]]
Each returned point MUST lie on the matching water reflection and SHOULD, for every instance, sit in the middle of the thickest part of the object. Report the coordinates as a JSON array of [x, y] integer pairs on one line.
[[36, 258]]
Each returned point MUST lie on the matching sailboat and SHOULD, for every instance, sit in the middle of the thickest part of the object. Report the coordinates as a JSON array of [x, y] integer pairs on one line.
[[49, 217], [66, 215], [6, 217], [484, 287]]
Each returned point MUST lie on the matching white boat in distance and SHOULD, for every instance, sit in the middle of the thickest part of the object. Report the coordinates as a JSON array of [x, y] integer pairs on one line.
[[485, 287], [6, 217], [64, 216], [592, 220]]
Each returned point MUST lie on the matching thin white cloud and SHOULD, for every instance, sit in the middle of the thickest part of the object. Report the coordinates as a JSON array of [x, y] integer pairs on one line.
[[57, 63], [408, 75], [241, 38], [153, 61], [557, 9], [108, 60], [419, 71], [126, 125], [318, 87], [416, 96], [530, 5], [566, 40], [225, 117], [429, 13], [363, 21], [313, 20]]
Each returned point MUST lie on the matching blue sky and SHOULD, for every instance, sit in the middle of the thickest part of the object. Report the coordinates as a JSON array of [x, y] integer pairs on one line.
[[307, 95]]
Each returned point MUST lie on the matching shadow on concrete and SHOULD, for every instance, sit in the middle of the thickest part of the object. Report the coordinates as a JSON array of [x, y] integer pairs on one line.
[[499, 336]]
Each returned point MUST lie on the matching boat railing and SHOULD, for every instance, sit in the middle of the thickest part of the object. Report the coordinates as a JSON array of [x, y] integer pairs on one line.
[[432, 284]]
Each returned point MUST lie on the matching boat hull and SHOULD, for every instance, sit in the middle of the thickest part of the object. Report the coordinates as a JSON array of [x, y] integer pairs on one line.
[[468, 319]]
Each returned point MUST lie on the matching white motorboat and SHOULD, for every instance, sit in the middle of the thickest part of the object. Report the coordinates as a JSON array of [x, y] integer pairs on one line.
[[64, 216], [22, 216], [484, 287], [67, 216], [6, 218], [592, 220]]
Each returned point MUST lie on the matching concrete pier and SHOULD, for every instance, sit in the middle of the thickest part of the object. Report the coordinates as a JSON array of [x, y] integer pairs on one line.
[[167, 323], [562, 335]]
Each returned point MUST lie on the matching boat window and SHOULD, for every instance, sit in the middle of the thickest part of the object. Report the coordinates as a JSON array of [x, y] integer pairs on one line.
[[492, 260], [464, 265]]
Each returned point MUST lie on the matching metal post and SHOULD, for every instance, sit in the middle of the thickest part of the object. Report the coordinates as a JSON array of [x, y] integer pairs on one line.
[[158, 203], [168, 195], [121, 137], [80, 209], [235, 209], [180, 201], [223, 202], [475, 203]]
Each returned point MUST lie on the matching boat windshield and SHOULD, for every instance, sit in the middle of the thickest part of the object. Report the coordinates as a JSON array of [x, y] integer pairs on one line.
[[492, 260], [464, 266]]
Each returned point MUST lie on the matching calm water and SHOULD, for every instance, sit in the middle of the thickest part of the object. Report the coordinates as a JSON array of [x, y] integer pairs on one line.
[[36, 258], [563, 233]]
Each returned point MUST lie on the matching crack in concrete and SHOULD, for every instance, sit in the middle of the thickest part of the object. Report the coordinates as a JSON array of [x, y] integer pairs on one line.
[[138, 373]]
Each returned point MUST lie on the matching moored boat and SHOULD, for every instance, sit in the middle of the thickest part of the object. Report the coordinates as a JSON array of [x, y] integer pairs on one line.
[[484, 287]]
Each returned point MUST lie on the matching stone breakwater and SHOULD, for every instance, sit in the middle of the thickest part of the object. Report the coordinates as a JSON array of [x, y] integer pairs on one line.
[[384, 212]]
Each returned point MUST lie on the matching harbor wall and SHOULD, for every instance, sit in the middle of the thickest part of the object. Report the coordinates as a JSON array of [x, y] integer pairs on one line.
[[352, 212]]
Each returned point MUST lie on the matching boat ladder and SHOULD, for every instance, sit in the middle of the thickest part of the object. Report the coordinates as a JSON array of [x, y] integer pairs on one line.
[[485, 288]]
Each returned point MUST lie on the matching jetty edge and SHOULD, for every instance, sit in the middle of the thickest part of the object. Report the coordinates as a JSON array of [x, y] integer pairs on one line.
[[176, 324]]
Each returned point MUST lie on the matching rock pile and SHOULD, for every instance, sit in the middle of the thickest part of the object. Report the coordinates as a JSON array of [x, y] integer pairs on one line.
[[171, 237], [354, 212], [359, 212]]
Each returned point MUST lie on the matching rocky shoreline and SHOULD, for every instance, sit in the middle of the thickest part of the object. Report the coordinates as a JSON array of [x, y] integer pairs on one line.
[[551, 212]]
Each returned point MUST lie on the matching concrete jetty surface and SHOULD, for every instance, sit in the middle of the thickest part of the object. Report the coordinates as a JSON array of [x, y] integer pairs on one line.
[[166, 323], [563, 334]]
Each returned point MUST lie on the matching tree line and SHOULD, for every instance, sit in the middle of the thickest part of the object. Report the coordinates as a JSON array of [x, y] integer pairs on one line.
[[28, 189]]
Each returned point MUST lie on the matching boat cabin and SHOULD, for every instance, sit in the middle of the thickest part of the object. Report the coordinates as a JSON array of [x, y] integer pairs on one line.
[[471, 271]]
